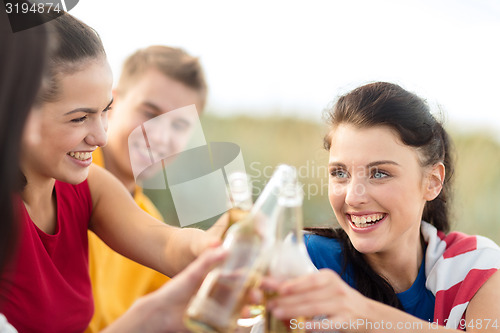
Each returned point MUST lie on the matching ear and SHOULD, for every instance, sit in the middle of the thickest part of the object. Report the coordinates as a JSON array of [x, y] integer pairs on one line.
[[434, 181]]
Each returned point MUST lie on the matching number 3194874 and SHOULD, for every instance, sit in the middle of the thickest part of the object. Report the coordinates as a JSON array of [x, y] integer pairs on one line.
[[24, 8]]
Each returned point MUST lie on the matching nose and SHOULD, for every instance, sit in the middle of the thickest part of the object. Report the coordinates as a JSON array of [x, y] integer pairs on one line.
[[97, 135], [356, 193]]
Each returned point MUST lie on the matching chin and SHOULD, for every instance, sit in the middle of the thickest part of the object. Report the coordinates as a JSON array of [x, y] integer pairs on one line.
[[365, 246], [74, 179]]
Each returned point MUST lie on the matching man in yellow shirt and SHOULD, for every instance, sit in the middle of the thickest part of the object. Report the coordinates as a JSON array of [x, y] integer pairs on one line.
[[153, 82]]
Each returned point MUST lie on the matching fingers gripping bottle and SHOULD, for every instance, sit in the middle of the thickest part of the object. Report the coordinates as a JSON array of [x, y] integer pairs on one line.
[[217, 305], [289, 257]]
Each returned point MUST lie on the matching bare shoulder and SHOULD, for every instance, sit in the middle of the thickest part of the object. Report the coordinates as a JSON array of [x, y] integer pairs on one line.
[[102, 184]]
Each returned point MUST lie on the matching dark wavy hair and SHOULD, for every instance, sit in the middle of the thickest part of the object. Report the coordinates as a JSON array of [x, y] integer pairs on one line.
[[77, 43], [32, 62], [387, 104], [22, 59]]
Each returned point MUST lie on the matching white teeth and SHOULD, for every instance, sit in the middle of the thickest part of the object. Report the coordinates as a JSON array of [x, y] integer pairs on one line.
[[363, 221], [82, 156]]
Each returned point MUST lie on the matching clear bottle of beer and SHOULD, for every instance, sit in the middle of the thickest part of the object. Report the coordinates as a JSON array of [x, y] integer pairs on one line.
[[240, 193], [217, 305], [289, 257]]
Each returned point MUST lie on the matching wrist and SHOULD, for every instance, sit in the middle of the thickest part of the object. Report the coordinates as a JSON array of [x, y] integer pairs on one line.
[[197, 242]]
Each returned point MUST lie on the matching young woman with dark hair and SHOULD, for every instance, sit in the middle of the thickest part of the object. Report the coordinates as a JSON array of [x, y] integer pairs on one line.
[[391, 264], [46, 286], [22, 58], [21, 63]]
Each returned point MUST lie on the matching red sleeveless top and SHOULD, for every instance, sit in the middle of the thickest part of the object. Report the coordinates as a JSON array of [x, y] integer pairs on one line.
[[47, 287]]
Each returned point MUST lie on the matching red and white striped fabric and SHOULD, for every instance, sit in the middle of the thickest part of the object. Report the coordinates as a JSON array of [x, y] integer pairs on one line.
[[456, 266]]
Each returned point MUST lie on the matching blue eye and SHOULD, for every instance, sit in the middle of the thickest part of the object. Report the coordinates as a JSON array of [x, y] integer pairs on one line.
[[341, 174], [377, 174]]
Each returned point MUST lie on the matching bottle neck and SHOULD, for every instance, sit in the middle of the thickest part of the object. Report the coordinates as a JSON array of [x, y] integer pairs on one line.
[[290, 225], [243, 203]]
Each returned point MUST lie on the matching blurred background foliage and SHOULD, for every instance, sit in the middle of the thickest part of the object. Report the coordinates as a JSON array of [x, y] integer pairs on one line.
[[266, 142]]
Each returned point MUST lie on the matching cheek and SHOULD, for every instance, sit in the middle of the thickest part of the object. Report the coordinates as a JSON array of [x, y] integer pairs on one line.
[[105, 123], [393, 198], [180, 141], [51, 139], [336, 195], [121, 133], [32, 134]]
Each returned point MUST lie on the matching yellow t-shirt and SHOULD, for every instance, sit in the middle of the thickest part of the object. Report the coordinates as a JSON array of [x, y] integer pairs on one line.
[[118, 281]]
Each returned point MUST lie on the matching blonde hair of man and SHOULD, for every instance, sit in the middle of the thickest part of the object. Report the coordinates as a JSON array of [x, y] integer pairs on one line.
[[170, 61]]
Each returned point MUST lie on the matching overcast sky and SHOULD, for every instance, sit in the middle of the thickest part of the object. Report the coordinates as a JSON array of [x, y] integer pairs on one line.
[[296, 56]]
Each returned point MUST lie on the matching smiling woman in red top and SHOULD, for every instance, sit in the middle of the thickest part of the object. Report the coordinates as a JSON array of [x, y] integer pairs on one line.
[[48, 288]]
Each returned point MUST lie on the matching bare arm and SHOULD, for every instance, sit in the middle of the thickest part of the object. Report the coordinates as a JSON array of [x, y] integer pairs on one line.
[[127, 229], [162, 310], [346, 310], [483, 312]]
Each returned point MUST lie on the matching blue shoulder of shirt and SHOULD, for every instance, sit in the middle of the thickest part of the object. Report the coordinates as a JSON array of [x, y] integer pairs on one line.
[[325, 252]]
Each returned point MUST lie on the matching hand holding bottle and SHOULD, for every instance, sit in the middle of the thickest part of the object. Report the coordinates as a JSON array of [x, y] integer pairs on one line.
[[217, 305], [289, 258]]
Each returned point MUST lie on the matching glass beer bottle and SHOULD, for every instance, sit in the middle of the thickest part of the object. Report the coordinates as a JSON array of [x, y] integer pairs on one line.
[[241, 202], [289, 257], [217, 305]]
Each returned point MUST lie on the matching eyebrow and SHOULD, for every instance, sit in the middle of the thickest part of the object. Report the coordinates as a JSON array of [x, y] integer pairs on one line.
[[88, 110], [160, 112], [369, 165], [153, 106], [372, 164]]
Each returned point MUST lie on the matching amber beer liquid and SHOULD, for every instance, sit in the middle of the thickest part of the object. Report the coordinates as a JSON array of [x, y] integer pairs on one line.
[[217, 305], [275, 325], [221, 298], [235, 214]]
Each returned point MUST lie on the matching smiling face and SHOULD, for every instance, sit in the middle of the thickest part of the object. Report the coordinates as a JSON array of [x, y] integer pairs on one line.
[[377, 188], [71, 127], [153, 95]]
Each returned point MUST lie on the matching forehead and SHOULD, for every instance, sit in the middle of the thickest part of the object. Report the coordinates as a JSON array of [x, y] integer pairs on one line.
[[89, 86], [161, 90], [360, 146]]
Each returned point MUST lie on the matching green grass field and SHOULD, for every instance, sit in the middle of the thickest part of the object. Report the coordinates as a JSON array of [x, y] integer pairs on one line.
[[269, 141]]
